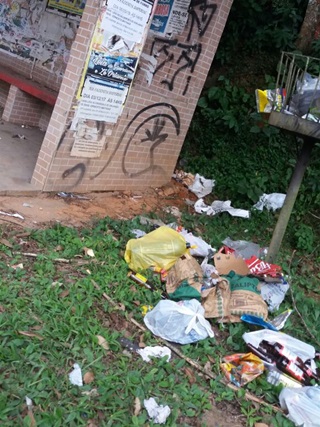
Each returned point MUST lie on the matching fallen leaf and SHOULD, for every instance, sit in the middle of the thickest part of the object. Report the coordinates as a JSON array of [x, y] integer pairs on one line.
[[137, 406], [6, 242], [59, 248], [2, 310], [122, 307], [92, 424], [36, 328], [53, 284], [31, 334], [207, 367], [88, 252], [102, 342], [137, 303], [64, 294], [88, 377], [212, 360], [32, 419], [261, 425], [57, 393], [190, 375]]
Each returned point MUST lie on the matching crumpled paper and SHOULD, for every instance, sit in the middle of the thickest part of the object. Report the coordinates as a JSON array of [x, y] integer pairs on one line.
[[272, 201], [75, 376], [155, 351], [201, 186], [158, 413], [273, 294], [218, 206]]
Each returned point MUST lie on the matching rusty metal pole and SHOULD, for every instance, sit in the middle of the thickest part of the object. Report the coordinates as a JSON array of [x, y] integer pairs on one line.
[[300, 168]]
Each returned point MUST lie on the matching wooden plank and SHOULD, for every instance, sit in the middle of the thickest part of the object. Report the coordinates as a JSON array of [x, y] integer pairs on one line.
[[297, 125]]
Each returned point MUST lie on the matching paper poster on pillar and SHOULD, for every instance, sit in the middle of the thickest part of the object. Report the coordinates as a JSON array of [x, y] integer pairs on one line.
[[101, 101], [170, 17]]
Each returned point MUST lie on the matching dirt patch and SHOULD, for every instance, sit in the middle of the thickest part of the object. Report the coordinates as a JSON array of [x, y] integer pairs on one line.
[[48, 207]]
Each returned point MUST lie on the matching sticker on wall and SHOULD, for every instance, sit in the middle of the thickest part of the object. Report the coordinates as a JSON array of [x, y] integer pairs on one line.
[[170, 17]]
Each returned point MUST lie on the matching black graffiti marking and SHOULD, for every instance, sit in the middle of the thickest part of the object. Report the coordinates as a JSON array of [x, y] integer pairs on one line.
[[156, 136], [81, 167], [185, 57], [202, 20]]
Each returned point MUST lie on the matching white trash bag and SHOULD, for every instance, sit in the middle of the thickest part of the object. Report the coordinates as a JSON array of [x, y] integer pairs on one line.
[[302, 404], [182, 322]]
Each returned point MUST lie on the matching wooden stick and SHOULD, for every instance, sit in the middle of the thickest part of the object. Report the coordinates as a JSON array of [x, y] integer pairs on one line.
[[62, 260], [196, 365]]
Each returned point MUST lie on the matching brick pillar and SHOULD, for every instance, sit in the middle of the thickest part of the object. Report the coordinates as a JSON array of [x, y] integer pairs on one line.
[[22, 108]]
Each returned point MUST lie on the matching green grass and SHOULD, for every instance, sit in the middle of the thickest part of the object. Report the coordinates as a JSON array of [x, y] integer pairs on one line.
[[58, 304]]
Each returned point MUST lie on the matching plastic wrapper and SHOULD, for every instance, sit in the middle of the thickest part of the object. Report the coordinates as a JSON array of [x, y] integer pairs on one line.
[[303, 350], [219, 206], [181, 322], [242, 248], [274, 293], [242, 368], [302, 405], [161, 248], [270, 99], [198, 246]]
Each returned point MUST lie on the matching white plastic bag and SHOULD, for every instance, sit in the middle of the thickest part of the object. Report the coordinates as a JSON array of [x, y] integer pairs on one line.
[[272, 201], [303, 405], [182, 322]]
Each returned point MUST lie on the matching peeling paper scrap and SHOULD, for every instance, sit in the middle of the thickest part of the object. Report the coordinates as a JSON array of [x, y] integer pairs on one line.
[[201, 186], [158, 413], [272, 201], [15, 215], [75, 376], [218, 207], [155, 351]]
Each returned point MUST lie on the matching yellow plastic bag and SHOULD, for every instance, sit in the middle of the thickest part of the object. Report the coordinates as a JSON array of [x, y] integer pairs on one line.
[[161, 248]]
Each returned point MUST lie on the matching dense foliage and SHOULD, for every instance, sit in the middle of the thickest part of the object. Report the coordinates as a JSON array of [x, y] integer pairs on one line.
[[228, 140]]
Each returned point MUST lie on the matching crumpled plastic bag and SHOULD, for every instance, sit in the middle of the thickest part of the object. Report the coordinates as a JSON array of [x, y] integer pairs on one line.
[[181, 322], [201, 186], [272, 201], [161, 248], [198, 246], [242, 368], [158, 413], [218, 206], [302, 404]]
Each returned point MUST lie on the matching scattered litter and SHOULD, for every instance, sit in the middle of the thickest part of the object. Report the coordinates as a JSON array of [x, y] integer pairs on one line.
[[27, 205], [201, 186], [173, 210], [303, 405], [242, 368], [258, 321], [103, 342], [184, 177], [155, 351], [88, 377], [189, 202], [272, 201], [218, 206], [184, 279], [88, 252], [210, 274], [243, 248], [29, 402], [71, 196], [181, 322], [138, 233], [75, 376], [145, 309], [274, 293], [259, 267], [198, 247], [160, 248], [19, 135], [303, 350], [279, 321], [158, 413], [228, 262], [148, 221], [15, 215]]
